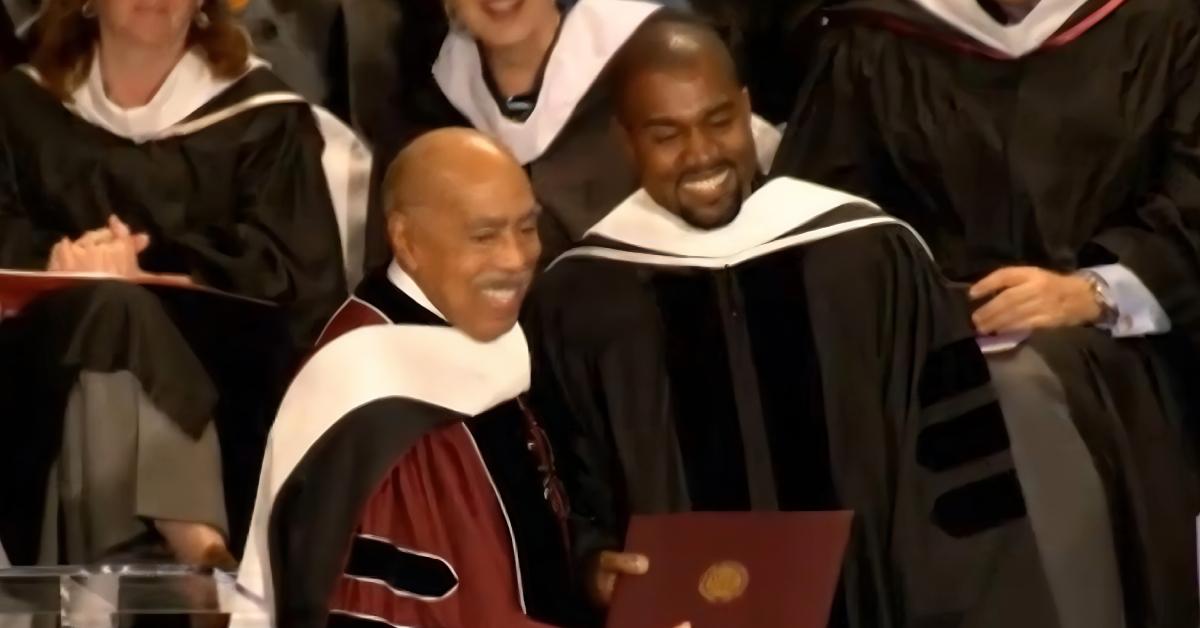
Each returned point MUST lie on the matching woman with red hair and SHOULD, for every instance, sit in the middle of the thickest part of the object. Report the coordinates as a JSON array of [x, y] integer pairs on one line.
[[144, 141]]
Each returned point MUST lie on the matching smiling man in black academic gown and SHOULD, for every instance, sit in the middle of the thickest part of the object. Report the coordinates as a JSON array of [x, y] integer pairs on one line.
[[1047, 152], [720, 344], [406, 483]]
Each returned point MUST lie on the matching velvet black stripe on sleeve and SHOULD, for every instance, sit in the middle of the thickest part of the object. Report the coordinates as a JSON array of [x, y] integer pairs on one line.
[[402, 570]]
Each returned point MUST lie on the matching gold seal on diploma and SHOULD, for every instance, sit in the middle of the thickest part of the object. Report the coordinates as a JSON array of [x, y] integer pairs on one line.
[[724, 582]]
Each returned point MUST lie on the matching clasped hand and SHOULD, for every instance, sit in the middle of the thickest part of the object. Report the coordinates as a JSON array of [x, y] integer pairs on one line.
[[113, 250], [1024, 298]]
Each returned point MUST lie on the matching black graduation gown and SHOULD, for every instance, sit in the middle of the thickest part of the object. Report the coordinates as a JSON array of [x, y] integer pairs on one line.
[[771, 41], [240, 203], [390, 378], [819, 363], [1079, 153]]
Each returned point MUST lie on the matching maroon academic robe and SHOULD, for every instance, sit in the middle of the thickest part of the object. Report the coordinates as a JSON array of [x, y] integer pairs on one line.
[[436, 515]]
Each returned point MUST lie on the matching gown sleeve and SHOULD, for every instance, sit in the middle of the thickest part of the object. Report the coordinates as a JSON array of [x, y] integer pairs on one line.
[[283, 244], [568, 390], [22, 244], [829, 137], [1159, 240]]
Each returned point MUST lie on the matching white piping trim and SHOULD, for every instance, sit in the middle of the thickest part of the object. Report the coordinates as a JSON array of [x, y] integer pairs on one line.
[[401, 592], [409, 550], [388, 361], [341, 308], [1015, 40], [733, 260], [508, 522], [373, 308], [367, 617], [203, 122]]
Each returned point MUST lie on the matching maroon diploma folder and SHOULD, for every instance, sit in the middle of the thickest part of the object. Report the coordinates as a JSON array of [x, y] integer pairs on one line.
[[733, 570], [19, 288]]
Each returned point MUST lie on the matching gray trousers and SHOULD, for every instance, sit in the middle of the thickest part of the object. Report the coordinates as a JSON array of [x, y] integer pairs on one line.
[[1063, 492], [122, 464]]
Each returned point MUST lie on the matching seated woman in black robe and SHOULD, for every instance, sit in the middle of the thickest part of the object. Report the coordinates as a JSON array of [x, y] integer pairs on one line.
[[1047, 152], [143, 142]]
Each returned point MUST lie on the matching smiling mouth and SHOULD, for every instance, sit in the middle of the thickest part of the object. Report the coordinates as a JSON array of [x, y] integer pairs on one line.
[[708, 185], [501, 297], [501, 8]]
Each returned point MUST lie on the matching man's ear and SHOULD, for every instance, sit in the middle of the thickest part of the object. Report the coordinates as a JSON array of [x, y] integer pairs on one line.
[[746, 100], [618, 131], [400, 236]]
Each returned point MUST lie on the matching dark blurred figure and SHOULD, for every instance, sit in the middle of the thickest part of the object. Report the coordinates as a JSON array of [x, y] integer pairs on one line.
[[12, 51], [341, 55], [772, 42]]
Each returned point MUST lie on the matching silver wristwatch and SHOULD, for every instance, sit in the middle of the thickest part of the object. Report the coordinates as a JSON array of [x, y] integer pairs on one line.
[[1109, 314]]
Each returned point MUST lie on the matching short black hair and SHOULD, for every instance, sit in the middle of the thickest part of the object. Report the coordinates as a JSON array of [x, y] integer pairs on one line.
[[658, 44]]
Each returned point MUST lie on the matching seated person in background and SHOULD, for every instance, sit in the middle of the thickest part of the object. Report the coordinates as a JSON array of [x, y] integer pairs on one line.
[[720, 344], [1047, 152], [340, 54], [406, 482], [135, 146]]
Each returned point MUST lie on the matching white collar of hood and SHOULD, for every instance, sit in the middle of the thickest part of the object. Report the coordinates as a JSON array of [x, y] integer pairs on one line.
[[1014, 40], [592, 32], [190, 85], [780, 206], [406, 284]]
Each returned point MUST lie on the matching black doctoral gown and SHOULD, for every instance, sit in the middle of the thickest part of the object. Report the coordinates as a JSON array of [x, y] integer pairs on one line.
[[405, 482], [226, 177], [1070, 149], [808, 356]]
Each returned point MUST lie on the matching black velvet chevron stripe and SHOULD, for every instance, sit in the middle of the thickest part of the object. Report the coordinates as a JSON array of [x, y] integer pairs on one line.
[[955, 379], [979, 506], [969, 437], [951, 370], [343, 620], [374, 559]]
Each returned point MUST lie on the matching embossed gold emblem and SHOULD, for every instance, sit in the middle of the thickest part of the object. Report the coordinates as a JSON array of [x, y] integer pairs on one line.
[[724, 582]]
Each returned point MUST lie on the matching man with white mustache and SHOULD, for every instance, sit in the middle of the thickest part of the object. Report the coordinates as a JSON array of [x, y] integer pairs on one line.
[[405, 482], [717, 343]]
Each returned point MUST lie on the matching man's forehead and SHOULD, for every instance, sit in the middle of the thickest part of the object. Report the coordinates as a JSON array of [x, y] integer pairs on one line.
[[491, 204], [680, 94]]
